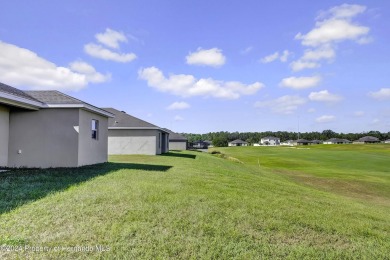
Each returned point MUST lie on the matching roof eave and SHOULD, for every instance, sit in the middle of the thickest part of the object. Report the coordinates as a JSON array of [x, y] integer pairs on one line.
[[82, 106], [13, 100]]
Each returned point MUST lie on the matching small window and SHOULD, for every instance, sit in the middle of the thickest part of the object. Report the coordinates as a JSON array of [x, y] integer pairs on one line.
[[95, 129]]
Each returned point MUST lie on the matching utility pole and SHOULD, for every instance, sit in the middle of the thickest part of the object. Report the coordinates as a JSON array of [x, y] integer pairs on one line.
[[298, 127]]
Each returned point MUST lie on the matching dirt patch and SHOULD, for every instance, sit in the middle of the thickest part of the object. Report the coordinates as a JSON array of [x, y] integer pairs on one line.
[[350, 188]]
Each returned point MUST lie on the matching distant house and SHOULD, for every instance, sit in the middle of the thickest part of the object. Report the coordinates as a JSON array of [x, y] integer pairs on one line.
[[238, 142], [43, 129], [176, 141], [288, 143], [303, 142], [387, 141], [316, 142], [367, 140], [200, 144], [130, 135], [337, 141], [270, 140]]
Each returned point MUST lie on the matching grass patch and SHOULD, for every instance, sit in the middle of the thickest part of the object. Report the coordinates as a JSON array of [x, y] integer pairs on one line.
[[190, 205]]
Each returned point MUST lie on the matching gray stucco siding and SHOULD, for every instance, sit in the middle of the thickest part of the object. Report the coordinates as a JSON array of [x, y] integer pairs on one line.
[[4, 135], [92, 151], [177, 145], [133, 141], [44, 138]]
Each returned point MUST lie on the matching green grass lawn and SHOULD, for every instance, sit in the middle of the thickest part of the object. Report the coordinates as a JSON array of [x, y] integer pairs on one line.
[[278, 203]]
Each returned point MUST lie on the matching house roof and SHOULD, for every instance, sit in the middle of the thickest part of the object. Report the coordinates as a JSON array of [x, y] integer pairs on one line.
[[368, 139], [175, 136], [303, 141], [16, 97], [238, 141], [53, 97], [56, 99], [338, 140], [122, 120]]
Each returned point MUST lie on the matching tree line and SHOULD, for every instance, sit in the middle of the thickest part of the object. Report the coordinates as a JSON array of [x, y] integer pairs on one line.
[[222, 138]]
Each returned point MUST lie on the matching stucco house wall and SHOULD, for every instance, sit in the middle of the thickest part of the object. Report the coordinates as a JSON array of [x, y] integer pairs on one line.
[[133, 141], [4, 134], [44, 138], [92, 151], [177, 145]]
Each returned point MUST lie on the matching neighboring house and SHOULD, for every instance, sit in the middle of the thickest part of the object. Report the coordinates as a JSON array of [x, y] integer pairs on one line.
[[387, 141], [238, 142], [288, 143], [367, 140], [130, 135], [270, 140], [337, 141], [303, 142], [43, 129], [200, 144], [176, 141]]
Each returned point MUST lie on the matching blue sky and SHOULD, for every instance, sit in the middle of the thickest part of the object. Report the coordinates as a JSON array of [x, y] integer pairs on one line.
[[201, 66]]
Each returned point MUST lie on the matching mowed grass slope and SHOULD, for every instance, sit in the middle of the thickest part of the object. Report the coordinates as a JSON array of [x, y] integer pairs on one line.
[[186, 205], [357, 171]]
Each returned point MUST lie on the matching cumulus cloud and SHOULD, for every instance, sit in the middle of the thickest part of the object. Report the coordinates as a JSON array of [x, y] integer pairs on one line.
[[212, 57], [332, 27], [188, 86], [282, 105], [382, 94], [272, 57], [300, 65], [324, 96], [100, 52], [22, 67], [91, 74], [325, 119], [300, 82], [178, 106], [111, 38]]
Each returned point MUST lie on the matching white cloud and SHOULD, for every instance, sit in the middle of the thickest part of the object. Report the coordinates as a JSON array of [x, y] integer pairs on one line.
[[324, 96], [300, 65], [285, 55], [300, 82], [178, 118], [272, 57], [282, 105], [111, 38], [178, 106], [100, 52], [332, 27], [344, 11], [188, 86], [333, 31], [325, 119], [91, 74], [212, 57], [326, 53], [22, 67], [382, 94]]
